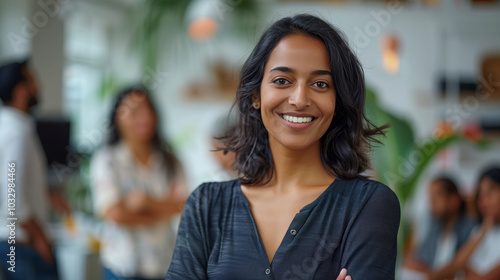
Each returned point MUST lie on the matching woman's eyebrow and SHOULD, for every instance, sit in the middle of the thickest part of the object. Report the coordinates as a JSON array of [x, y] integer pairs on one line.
[[293, 71], [283, 69], [321, 72]]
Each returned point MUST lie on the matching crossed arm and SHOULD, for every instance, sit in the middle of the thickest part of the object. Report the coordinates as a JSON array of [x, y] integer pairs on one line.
[[140, 209], [462, 257]]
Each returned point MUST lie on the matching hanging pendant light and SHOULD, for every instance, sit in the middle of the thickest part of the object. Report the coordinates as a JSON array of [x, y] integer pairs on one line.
[[202, 23], [390, 53]]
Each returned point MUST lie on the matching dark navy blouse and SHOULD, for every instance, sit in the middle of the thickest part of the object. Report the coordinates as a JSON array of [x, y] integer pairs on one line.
[[352, 224]]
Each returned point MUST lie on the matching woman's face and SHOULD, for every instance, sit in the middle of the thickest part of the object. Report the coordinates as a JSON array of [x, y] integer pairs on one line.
[[135, 118], [438, 200], [489, 199], [297, 93], [443, 204]]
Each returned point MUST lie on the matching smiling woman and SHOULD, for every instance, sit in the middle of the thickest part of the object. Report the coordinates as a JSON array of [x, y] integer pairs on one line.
[[301, 208], [322, 61]]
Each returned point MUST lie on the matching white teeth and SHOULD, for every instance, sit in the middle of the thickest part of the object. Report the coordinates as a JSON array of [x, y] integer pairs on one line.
[[297, 119]]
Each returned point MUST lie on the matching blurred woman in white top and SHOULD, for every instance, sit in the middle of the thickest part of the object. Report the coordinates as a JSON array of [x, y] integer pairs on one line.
[[138, 187], [479, 258]]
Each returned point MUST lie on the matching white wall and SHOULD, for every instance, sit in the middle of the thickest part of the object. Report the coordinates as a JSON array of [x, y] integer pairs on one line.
[[47, 61], [14, 38], [34, 29]]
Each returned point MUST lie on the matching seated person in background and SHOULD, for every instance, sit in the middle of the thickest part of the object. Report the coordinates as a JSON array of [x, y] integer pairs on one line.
[[138, 186], [480, 256], [449, 230]]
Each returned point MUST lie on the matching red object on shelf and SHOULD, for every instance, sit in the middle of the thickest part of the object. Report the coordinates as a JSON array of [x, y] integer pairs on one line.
[[472, 132]]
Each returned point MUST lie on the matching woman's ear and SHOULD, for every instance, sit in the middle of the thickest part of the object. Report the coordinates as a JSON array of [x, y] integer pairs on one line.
[[255, 98], [255, 102]]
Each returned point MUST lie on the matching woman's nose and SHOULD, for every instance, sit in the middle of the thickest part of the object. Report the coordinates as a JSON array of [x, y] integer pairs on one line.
[[299, 97]]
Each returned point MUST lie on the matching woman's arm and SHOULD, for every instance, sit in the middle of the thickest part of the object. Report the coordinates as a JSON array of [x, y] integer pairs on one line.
[[493, 274], [163, 207], [412, 263], [121, 215], [137, 208], [371, 243], [166, 207], [191, 252], [109, 202], [463, 255]]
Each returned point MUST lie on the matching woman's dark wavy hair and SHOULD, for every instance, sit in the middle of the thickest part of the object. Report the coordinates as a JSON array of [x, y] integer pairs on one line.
[[346, 143], [449, 186], [140, 91], [492, 173]]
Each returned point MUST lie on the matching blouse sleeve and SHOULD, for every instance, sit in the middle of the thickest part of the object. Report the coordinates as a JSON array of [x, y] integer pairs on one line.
[[105, 191], [371, 244], [179, 183], [191, 249]]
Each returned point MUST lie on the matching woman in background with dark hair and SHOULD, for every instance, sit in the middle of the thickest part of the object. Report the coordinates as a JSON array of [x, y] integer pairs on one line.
[[448, 231], [301, 208], [138, 186], [480, 256]]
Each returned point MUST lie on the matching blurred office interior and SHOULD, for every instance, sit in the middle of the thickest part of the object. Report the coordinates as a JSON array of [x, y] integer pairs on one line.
[[432, 70]]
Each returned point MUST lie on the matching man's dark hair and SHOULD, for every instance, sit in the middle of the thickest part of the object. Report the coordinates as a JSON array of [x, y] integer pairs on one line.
[[11, 75]]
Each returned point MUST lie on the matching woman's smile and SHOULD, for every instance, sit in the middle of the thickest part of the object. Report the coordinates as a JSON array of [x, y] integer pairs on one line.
[[297, 120]]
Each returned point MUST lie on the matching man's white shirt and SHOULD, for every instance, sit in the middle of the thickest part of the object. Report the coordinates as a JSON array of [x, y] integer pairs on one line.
[[19, 144]]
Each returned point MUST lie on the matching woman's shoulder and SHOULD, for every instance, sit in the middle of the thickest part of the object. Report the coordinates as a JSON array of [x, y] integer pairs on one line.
[[364, 185], [213, 192], [112, 152], [367, 190], [104, 152], [102, 155], [366, 200]]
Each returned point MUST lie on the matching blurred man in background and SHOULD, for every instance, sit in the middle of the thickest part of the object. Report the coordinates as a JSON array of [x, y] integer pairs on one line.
[[25, 249], [449, 230]]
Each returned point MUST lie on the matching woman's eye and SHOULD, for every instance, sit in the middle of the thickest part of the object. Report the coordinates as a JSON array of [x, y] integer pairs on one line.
[[321, 84], [281, 81]]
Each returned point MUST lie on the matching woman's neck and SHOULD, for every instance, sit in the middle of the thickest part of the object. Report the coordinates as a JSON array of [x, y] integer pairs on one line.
[[298, 168], [449, 222], [140, 150]]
